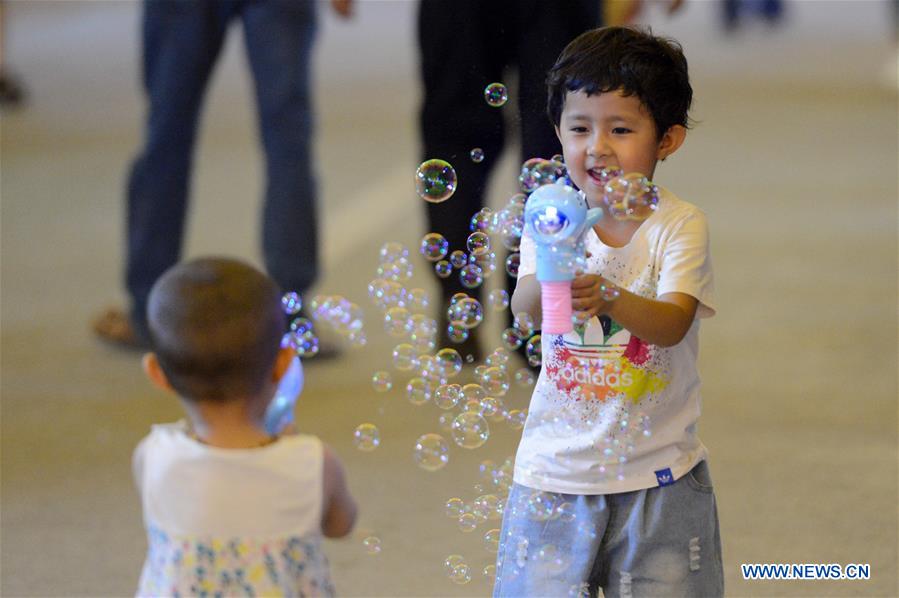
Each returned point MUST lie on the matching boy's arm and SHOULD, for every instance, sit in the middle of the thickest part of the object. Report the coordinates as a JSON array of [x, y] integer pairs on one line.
[[338, 508], [663, 321], [526, 297]]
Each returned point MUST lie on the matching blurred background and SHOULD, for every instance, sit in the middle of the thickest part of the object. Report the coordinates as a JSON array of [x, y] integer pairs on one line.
[[793, 157]]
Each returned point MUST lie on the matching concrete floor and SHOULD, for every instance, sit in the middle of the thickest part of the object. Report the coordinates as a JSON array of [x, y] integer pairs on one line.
[[794, 157]]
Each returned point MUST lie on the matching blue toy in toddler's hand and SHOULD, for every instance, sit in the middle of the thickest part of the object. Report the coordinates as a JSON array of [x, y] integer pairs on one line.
[[557, 217], [279, 413]]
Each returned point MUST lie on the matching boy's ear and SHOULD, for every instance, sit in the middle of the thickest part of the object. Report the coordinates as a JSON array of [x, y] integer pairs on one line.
[[154, 372], [558, 133], [282, 362], [672, 139]]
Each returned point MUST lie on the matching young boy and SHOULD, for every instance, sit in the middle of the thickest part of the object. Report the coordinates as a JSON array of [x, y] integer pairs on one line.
[[229, 508], [611, 486]]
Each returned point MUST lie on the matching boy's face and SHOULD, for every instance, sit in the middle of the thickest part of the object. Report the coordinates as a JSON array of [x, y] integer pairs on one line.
[[609, 130]]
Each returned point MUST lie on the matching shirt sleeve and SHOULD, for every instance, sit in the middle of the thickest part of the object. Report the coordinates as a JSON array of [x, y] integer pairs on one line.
[[686, 265], [528, 250]]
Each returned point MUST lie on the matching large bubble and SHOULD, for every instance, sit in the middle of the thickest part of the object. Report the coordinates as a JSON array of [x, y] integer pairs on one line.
[[631, 197], [470, 430], [435, 181], [431, 452]]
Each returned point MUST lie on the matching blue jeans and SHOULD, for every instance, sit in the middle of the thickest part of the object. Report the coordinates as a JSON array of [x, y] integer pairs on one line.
[[181, 42], [661, 541]]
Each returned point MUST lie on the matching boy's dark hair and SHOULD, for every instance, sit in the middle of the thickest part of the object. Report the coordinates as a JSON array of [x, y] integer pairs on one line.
[[633, 60], [215, 326]]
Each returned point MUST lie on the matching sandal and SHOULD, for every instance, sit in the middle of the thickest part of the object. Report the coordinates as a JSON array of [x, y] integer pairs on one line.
[[115, 328]]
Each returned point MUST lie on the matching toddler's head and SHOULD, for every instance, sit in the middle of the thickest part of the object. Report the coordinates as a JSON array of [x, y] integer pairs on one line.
[[215, 326]]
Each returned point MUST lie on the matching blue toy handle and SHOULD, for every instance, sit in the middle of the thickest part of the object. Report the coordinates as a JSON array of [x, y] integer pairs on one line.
[[279, 413]]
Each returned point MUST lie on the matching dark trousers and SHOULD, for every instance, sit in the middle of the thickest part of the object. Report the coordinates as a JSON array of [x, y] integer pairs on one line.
[[181, 42], [465, 45]]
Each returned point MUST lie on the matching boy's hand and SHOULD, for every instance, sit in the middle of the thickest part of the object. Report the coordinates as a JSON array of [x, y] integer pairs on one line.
[[587, 292]]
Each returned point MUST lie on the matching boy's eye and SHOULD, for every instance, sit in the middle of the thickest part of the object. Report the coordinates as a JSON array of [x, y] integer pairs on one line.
[[578, 129], [620, 130]]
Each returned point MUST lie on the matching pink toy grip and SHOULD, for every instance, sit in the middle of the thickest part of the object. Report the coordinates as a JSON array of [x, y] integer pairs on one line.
[[555, 298]]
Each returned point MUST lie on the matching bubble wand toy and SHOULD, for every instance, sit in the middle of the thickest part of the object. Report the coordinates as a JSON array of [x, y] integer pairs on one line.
[[279, 413], [557, 217]]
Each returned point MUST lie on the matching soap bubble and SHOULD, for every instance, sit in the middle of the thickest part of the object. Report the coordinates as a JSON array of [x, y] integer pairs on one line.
[[445, 421], [470, 430], [551, 559], [392, 251], [491, 540], [381, 381], [492, 408], [458, 259], [486, 262], [498, 299], [524, 377], [372, 545], [418, 391], [631, 197], [291, 303], [478, 243], [473, 392], [534, 351], [461, 575], [447, 396], [490, 572], [499, 357], [516, 418], [496, 94], [301, 325], [565, 512], [537, 172], [398, 322], [540, 505], [453, 561], [443, 269], [477, 155], [418, 299], [431, 452], [471, 276], [398, 270], [455, 507], [481, 220], [449, 361], [487, 506], [366, 437], [524, 323], [495, 381], [466, 312], [435, 181], [511, 339], [306, 345], [404, 357], [512, 264], [456, 332], [434, 246], [422, 332], [608, 291], [468, 522]]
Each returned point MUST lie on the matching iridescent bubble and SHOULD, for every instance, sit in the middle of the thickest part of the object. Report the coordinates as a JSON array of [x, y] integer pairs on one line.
[[524, 323], [455, 507], [631, 197], [534, 351], [398, 322], [473, 392], [540, 505], [512, 264], [490, 572], [381, 381], [404, 357], [458, 297], [418, 299], [449, 361], [516, 418], [477, 155], [491, 408], [458, 259], [471, 276], [537, 172], [491, 540], [478, 243], [551, 559], [366, 437], [495, 381], [306, 345], [481, 220], [496, 94], [423, 332], [418, 391], [445, 421], [453, 561], [486, 262], [524, 377], [435, 181], [470, 430], [291, 303], [511, 339], [498, 357], [443, 269], [461, 575], [466, 312], [399, 270], [487, 506], [457, 333], [434, 246], [392, 251], [565, 512], [431, 452], [372, 545], [498, 299], [468, 522]]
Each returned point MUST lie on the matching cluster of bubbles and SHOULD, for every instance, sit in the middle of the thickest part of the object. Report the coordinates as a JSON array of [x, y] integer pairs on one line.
[[301, 337], [342, 315], [630, 196], [537, 172]]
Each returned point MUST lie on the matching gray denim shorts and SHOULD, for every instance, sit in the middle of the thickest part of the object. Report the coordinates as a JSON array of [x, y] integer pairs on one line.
[[660, 541]]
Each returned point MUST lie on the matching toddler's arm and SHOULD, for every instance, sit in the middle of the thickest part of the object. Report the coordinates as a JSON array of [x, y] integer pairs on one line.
[[339, 508], [526, 297], [663, 321]]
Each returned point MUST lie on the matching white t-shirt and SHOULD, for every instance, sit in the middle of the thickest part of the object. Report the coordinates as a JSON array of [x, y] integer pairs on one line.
[[235, 521], [611, 413]]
